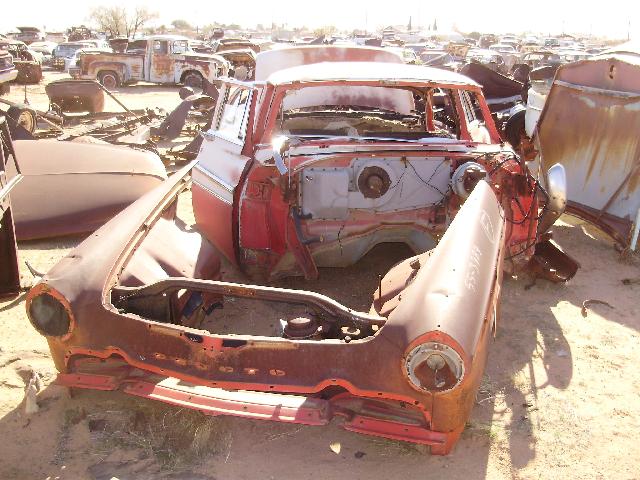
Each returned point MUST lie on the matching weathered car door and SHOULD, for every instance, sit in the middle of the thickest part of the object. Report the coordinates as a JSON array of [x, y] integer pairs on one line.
[[220, 166], [9, 271], [160, 62]]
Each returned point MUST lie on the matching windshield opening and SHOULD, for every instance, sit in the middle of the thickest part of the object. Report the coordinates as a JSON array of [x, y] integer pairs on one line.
[[180, 46], [366, 112]]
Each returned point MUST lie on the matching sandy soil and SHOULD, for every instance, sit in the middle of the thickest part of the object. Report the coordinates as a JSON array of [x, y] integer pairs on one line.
[[154, 95], [560, 398]]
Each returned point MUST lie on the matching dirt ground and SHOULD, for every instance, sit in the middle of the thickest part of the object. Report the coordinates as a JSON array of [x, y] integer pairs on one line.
[[560, 397]]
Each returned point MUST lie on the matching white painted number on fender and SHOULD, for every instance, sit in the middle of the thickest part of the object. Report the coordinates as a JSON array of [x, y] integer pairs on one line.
[[471, 280], [487, 226]]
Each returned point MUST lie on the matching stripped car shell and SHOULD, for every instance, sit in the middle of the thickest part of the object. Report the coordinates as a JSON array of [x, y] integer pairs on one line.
[[126, 310], [313, 212], [96, 343]]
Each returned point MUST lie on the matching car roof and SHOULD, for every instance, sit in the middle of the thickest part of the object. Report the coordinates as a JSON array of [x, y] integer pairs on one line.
[[366, 71]]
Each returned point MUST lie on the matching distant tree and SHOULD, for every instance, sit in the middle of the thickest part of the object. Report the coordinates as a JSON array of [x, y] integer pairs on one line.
[[474, 35], [435, 25], [181, 25], [109, 19], [137, 20], [327, 30], [118, 22]]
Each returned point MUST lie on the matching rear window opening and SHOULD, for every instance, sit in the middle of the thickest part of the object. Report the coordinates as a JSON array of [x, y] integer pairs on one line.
[[400, 113]]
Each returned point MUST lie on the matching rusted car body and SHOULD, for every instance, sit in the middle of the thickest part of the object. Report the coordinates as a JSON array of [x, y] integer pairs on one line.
[[70, 187], [272, 192], [29, 66], [157, 59], [65, 51], [29, 35], [8, 72], [590, 124], [492, 59], [328, 225], [9, 271]]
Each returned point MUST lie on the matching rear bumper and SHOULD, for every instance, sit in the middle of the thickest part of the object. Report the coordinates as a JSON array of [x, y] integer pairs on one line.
[[369, 417]]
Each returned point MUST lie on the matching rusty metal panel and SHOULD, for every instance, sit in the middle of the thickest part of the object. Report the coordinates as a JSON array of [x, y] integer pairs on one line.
[[128, 65], [9, 271], [590, 124], [162, 69], [76, 95], [98, 181]]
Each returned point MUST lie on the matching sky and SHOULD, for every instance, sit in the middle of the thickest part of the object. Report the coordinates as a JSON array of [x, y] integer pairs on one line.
[[611, 18]]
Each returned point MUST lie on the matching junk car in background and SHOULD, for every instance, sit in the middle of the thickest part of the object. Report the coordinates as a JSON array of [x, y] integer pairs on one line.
[[331, 151], [66, 51], [156, 59], [8, 72], [29, 35], [28, 63]]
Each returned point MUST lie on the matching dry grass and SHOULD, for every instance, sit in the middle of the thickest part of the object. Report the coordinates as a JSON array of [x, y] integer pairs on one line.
[[176, 438]]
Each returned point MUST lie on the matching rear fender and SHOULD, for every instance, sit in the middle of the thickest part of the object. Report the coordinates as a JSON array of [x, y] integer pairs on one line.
[[120, 68], [452, 298]]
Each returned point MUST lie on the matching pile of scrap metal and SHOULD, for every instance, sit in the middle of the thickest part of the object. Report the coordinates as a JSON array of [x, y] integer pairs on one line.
[[141, 129], [582, 115], [27, 62], [590, 123], [312, 166], [9, 271]]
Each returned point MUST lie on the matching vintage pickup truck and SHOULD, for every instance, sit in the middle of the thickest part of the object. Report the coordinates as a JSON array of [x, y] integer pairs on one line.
[[157, 59]]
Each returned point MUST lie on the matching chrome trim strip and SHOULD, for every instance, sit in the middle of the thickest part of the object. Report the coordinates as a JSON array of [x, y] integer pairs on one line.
[[214, 185]]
